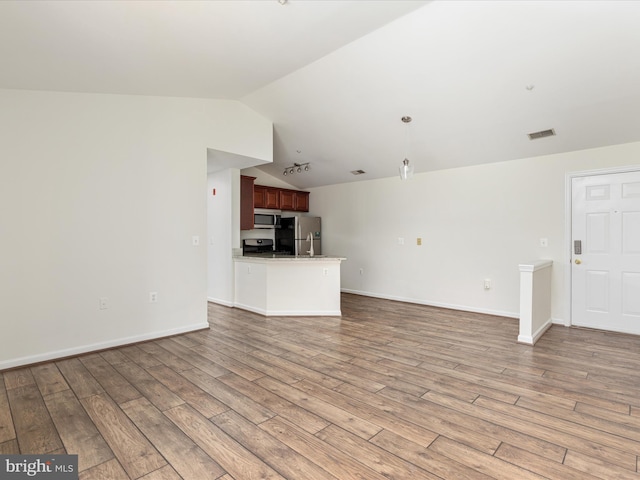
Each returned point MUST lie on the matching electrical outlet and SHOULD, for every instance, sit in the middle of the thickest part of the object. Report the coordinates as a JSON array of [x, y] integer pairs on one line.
[[195, 240], [487, 284], [325, 271], [419, 241], [153, 297], [400, 241], [544, 242], [104, 303]]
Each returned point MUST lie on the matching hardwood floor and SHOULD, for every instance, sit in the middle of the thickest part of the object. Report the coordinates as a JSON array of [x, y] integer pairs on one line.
[[390, 390]]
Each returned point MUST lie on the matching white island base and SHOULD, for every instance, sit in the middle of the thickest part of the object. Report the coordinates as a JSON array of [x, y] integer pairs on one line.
[[300, 286]]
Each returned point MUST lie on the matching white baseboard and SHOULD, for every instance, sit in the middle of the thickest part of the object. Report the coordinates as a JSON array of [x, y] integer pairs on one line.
[[70, 352], [301, 313], [532, 339], [290, 313], [248, 308], [464, 308], [225, 303]]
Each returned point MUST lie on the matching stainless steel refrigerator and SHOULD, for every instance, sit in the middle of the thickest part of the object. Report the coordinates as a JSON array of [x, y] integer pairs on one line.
[[294, 234]]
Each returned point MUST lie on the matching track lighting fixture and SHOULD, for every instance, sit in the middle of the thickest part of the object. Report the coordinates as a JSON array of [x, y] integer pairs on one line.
[[296, 168]]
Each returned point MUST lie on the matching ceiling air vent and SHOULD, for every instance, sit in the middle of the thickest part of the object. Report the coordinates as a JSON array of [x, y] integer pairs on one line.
[[541, 134], [357, 172]]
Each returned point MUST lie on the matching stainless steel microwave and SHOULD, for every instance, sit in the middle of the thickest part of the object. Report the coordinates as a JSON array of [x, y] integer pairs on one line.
[[266, 220]]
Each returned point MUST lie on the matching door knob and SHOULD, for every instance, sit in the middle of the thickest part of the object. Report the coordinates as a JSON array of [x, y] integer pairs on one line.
[[578, 261]]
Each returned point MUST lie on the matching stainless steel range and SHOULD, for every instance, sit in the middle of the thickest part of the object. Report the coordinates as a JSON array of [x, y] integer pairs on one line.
[[257, 246]]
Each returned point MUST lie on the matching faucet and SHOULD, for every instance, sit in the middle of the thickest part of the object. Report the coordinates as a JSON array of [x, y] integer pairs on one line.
[[310, 240]]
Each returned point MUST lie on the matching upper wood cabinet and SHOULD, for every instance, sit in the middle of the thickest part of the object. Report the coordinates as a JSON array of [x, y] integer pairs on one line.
[[266, 197], [294, 200], [302, 201], [246, 202], [280, 198]]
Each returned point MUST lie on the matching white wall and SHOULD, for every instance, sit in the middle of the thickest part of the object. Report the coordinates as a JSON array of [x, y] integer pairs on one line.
[[101, 196], [475, 223], [263, 178], [223, 229]]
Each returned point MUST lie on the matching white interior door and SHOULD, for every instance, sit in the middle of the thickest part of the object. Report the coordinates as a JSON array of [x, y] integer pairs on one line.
[[605, 261]]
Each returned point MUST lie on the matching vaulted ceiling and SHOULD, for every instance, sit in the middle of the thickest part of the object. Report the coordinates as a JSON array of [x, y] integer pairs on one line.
[[335, 77]]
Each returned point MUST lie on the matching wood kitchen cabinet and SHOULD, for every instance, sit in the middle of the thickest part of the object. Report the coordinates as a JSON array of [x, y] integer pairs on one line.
[[246, 202], [266, 197], [280, 198], [302, 201], [294, 200]]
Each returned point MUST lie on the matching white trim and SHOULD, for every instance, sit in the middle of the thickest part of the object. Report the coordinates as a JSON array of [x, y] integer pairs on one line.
[[290, 313], [535, 265], [532, 339], [249, 308], [566, 252], [463, 308], [566, 257], [70, 352], [219, 301]]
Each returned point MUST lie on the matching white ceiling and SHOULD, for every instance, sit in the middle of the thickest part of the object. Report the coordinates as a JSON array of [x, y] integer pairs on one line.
[[335, 77]]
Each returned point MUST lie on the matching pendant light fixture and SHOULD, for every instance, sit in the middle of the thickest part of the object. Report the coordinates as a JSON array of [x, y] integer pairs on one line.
[[406, 170]]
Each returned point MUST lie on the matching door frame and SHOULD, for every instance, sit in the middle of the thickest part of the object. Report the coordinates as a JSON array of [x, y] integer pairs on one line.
[[568, 217]]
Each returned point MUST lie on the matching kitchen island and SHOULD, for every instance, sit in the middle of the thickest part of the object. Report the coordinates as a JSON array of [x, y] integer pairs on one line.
[[288, 285]]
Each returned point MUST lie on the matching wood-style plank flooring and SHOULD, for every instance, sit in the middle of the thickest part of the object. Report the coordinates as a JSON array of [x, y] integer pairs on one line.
[[388, 391]]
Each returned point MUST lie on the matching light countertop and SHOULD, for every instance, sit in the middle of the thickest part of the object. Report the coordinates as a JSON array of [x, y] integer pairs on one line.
[[287, 258]]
